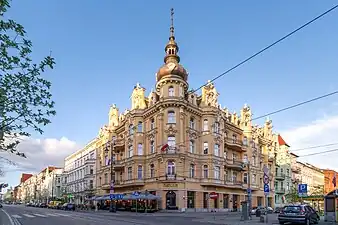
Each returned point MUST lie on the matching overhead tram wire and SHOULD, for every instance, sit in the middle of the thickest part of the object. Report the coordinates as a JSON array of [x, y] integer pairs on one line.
[[269, 46], [313, 147], [296, 105], [319, 153]]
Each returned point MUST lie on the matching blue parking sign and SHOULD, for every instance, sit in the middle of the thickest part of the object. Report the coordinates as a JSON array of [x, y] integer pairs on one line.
[[302, 190], [266, 188]]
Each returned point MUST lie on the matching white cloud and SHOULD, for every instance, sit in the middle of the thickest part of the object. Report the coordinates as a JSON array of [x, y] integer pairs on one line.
[[41, 153], [319, 132]]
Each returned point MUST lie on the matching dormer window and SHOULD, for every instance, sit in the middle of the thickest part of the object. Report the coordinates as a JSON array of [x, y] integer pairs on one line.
[[171, 91]]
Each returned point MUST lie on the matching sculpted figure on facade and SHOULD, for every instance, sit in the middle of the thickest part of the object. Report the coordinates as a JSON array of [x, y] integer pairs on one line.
[[138, 98], [104, 132], [246, 116], [234, 118], [113, 116], [210, 95], [268, 129]]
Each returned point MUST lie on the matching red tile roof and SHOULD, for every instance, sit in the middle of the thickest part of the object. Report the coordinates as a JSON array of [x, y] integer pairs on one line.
[[281, 141]]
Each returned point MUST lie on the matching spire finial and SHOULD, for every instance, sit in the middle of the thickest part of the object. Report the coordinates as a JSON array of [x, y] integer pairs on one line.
[[172, 22]]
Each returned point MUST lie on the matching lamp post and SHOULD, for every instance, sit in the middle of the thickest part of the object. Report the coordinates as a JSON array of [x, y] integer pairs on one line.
[[111, 146]]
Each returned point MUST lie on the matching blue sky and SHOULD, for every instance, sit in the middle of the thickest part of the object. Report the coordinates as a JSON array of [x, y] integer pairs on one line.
[[102, 48]]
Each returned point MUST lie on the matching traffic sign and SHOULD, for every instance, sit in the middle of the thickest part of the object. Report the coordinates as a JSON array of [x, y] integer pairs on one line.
[[249, 191], [116, 196], [135, 193], [266, 188], [302, 190], [266, 179], [266, 170], [213, 195]]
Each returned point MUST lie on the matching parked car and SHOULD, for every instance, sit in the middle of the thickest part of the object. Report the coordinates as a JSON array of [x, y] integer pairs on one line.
[[0, 205], [259, 208], [298, 213], [68, 206]]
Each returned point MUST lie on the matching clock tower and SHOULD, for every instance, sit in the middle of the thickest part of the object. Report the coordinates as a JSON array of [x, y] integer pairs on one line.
[[172, 78]]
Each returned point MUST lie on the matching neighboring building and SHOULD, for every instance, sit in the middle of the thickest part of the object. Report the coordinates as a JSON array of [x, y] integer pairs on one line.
[[24, 177], [181, 146], [296, 171], [313, 177], [40, 187], [79, 174], [329, 178], [283, 181]]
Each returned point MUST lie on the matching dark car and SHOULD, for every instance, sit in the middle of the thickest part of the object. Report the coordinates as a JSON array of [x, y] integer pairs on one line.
[[68, 206], [0, 205], [301, 214]]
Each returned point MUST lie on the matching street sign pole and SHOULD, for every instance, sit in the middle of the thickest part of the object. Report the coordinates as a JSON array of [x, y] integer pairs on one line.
[[266, 181]]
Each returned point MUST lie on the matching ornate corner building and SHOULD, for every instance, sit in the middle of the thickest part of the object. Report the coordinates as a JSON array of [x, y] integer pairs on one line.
[[182, 146]]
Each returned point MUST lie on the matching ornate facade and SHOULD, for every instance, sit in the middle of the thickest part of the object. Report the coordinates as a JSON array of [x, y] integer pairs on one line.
[[182, 146]]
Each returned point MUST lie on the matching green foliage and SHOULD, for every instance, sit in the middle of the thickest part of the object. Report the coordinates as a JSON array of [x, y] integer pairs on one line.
[[292, 196], [25, 98]]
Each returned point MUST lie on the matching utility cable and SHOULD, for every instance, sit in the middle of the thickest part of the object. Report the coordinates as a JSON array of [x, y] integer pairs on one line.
[[271, 45], [313, 147]]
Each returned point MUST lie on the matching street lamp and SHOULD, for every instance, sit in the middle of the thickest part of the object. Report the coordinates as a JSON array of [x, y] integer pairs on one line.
[[111, 146]]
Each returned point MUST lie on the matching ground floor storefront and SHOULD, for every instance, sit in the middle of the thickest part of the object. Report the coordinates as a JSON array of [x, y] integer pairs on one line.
[[194, 197]]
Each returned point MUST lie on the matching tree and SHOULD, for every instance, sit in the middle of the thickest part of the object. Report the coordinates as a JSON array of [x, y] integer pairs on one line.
[[292, 196], [25, 98]]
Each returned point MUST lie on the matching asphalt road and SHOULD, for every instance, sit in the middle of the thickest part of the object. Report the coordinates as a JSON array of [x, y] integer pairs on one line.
[[22, 215]]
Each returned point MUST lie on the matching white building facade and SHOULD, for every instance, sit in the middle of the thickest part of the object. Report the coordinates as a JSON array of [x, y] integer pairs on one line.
[[78, 179], [283, 177]]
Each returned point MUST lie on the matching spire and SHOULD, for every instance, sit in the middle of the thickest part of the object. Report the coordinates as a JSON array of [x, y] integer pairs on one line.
[[171, 49]]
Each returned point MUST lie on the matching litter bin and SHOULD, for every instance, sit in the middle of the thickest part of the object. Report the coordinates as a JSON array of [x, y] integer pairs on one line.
[[258, 213]]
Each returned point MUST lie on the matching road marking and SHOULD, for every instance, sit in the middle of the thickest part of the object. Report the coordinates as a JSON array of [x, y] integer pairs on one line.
[[9, 217], [16, 216], [27, 215], [37, 214], [50, 214], [59, 214]]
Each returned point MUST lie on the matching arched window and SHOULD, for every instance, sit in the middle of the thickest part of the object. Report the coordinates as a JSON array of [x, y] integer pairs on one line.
[[152, 171], [171, 91], [205, 171], [139, 127], [245, 141], [140, 172], [216, 128], [192, 170], [216, 150], [171, 168], [152, 146], [192, 123], [139, 149], [205, 148], [205, 125], [171, 117], [217, 172]]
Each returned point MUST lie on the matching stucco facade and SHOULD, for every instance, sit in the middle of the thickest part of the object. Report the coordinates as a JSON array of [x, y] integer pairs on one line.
[[181, 146]]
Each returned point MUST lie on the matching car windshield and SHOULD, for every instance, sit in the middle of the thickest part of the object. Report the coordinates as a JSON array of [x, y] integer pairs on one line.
[[294, 209]]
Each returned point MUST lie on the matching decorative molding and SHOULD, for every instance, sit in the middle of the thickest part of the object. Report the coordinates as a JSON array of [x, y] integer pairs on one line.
[[171, 130]]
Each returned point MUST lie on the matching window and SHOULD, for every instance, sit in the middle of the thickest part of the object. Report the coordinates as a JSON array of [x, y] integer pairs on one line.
[[171, 141], [287, 172], [171, 91], [254, 160], [139, 127], [192, 171], [216, 149], [192, 123], [205, 148], [234, 138], [225, 154], [205, 125], [245, 178], [130, 151], [245, 141], [152, 146], [152, 123], [139, 172], [171, 117], [254, 178], [171, 168], [131, 129], [139, 149], [216, 128], [106, 178], [217, 172], [152, 171], [205, 171], [91, 170], [192, 147], [130, 173]]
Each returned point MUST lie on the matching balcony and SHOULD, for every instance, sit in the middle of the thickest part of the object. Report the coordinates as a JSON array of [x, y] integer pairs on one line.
[[170, 176], [132, 182], [280, 190], [235, 144], [233, 183], [235, 164], [280, 176], [89, 175], [90, 161], [211, 182], [170, 150], [118, 164]]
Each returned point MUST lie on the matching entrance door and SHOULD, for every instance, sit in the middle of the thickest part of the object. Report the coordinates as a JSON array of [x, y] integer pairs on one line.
[[171, 200]]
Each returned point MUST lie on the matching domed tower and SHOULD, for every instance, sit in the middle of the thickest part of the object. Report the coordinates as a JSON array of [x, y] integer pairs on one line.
[[171, 78]]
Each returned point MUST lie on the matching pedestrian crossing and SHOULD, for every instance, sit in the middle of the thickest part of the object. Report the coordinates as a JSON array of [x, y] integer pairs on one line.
[[25, 215]]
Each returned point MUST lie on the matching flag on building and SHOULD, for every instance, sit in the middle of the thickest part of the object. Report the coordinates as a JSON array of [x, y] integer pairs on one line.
[[334, 180], [164, 148]]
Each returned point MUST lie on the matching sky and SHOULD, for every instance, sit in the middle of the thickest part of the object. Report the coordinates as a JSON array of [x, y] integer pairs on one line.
[[102, 49]]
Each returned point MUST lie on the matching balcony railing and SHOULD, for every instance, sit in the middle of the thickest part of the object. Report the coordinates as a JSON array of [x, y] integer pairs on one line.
[[170, 176], [237, 163], [280, 176], [279, 190], [233, 182], [170, 150]]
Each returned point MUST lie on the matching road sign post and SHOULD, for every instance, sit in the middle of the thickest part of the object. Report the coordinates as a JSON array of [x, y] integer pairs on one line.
[[266, 181], [302, 191]]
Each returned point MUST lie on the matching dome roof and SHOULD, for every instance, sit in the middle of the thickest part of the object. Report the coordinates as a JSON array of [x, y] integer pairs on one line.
[[172, 68]]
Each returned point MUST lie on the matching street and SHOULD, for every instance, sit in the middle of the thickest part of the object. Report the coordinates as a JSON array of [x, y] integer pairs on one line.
[[22, 215]]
